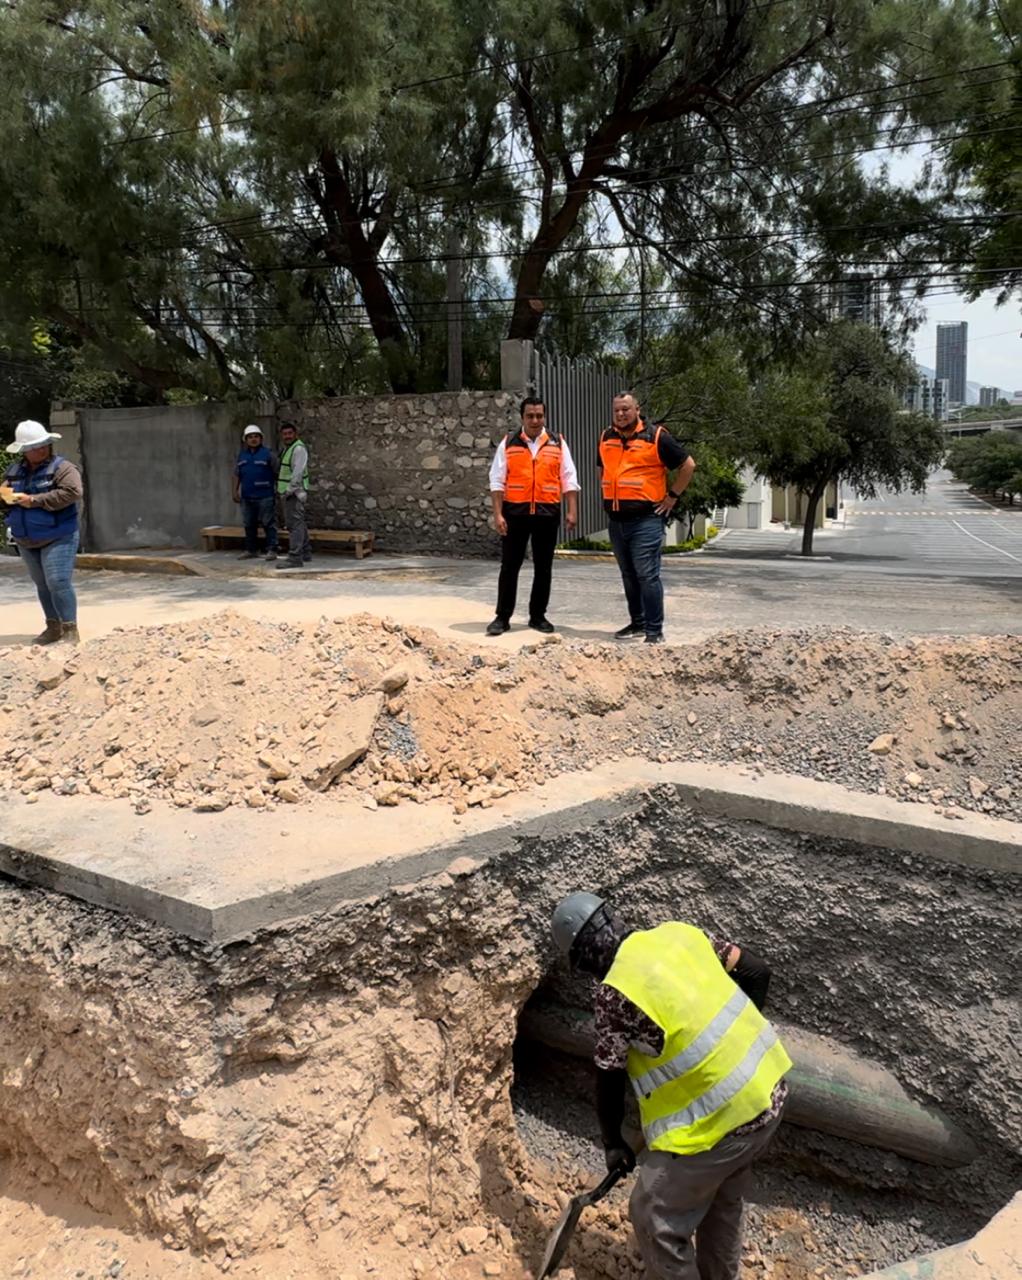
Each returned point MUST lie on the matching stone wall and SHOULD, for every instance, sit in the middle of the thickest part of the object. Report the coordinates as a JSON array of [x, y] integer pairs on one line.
[[412, 468]]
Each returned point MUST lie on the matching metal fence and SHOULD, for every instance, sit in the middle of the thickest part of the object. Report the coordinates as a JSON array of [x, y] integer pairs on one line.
[[578, 396]]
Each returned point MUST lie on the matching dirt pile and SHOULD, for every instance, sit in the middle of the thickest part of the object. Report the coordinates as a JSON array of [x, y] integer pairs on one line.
[[230, 711]]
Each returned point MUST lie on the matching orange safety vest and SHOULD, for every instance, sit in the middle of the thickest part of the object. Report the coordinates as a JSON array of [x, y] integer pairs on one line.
[[632, 471], [533, 484]]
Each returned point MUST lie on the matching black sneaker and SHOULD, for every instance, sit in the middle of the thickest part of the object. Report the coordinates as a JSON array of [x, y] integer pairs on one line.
[[249, 555], [271, 555], [631, 632], [542, 624], [655, 637], [498, 626], [289, 564]]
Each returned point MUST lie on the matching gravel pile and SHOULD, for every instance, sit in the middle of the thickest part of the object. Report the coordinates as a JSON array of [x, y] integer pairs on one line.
[[231, 711]]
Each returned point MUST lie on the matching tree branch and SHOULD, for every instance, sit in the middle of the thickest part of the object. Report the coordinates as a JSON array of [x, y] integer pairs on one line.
[[161, 380], [215, 349], [527, 103]]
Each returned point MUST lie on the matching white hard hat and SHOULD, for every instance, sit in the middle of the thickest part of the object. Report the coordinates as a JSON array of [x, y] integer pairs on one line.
[[30, 435], [251, 430]]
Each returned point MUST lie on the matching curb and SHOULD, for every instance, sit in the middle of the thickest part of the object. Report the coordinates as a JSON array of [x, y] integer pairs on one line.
[[137, 564]]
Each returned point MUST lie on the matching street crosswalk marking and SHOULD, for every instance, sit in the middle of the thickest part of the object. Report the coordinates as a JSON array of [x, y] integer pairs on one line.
[[954, 511]]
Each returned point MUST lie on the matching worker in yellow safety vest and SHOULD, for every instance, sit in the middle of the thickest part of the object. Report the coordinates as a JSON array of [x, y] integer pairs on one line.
[[678, 1016]]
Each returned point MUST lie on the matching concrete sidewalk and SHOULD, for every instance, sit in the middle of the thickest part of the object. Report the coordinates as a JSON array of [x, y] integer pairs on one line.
[[706, 593], [229, 564]]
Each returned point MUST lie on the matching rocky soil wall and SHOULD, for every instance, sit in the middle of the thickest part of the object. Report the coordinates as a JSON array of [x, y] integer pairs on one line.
[[354, 1069], [414, 468]]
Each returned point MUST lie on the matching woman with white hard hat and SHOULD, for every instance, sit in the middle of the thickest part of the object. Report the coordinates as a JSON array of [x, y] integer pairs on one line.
[[42, 491]]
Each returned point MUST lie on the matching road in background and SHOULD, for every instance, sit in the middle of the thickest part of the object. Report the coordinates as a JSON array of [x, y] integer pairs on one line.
[[944, 531], [939, 563]]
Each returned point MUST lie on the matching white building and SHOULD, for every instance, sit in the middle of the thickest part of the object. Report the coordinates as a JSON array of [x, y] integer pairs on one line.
[[929, 396]]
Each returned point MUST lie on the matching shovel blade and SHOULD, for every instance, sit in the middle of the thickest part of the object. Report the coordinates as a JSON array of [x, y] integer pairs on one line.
[[560, 1238]]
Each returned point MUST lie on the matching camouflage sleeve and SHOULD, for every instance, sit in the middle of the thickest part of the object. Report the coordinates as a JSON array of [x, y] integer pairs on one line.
[[721, 947], [614, 1016]]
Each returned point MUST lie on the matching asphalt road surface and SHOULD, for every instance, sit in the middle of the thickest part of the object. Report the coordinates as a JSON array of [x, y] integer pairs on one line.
[[939, 563], [944, 531]]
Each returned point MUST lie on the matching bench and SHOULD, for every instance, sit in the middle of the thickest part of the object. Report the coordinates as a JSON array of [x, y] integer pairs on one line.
[[217, 537]]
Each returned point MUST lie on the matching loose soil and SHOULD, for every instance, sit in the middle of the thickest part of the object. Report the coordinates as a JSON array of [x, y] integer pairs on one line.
[[231, 711], [347, 1101]]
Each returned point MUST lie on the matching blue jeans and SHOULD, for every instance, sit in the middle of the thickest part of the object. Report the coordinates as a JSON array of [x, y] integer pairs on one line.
[[50, 568], [256, 512], [638, 545]]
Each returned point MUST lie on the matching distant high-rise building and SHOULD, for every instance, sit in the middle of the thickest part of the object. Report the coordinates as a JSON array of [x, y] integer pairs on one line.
[[929, 396], [989, 396], [952, 342], [858, 299]]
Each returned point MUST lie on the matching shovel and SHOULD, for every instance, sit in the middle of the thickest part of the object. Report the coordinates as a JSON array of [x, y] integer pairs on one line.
[[557, 1246]]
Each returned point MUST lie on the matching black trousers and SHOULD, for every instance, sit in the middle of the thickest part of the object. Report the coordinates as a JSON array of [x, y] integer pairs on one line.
[[543, 532]]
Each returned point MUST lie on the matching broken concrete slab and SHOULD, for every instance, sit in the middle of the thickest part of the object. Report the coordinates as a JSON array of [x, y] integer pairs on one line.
[[218, 876], [342, 741]]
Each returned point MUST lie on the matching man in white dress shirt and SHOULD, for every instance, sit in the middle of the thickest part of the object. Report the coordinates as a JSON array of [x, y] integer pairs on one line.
[[532, 470]]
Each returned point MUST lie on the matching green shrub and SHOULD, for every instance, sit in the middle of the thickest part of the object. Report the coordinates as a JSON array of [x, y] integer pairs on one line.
[[598, 544], [585, 544], [690, 544]]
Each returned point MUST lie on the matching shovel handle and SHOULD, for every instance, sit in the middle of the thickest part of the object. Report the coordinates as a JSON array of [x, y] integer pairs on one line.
[[609, 1182]]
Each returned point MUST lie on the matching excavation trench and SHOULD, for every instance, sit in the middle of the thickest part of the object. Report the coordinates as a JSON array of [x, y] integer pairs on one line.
[[370, 1074]]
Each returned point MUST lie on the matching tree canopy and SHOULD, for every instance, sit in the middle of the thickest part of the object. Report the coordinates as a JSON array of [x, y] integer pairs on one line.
[[243, 199], [850, 425], [991, 463]]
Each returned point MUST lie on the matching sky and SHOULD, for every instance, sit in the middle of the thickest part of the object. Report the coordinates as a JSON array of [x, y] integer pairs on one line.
[[994, 351]]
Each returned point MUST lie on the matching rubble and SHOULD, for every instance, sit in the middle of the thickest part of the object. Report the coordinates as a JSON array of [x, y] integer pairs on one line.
[[231, 711]]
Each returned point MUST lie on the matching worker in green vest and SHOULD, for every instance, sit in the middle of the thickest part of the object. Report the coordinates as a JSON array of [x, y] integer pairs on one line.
[[293, 489], [678, 1017]]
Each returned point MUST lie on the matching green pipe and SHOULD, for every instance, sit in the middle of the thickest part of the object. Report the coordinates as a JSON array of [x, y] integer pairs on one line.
[[833, 1089]]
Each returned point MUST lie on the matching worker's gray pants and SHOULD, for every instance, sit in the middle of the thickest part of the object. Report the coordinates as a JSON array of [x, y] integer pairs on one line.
[[299, 547], [676, 1197]]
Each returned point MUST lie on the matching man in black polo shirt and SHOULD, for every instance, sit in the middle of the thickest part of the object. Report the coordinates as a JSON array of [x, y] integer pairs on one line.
[[635, 461]]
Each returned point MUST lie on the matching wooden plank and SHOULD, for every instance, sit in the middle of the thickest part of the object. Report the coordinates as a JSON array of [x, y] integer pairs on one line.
[[217, 536]]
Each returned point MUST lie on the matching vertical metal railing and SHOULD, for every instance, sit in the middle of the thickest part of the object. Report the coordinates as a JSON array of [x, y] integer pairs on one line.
[[578, 396]]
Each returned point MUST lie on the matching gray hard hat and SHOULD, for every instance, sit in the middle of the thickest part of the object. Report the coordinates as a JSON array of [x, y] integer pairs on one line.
[[571, 915]]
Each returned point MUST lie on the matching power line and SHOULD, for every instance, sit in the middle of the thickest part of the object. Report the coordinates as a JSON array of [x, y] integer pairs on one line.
[[673, 176], [736, 237], [520, 168], [616, 306]]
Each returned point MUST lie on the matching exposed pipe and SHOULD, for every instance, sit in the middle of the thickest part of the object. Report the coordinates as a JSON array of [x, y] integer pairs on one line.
[[833, 1089]]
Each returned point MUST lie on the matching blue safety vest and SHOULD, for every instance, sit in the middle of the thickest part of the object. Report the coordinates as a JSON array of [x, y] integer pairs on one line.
[[255, 473], [33, 524]]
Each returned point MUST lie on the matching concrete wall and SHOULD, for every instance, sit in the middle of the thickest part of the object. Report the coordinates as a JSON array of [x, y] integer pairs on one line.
[[414, 469], [154, 477]]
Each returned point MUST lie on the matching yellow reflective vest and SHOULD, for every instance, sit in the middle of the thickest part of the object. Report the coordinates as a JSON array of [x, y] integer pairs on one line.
[[721, 1058]]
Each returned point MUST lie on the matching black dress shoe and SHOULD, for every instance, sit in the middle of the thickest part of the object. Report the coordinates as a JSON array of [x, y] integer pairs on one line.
[[498, 626], [542, 624]]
